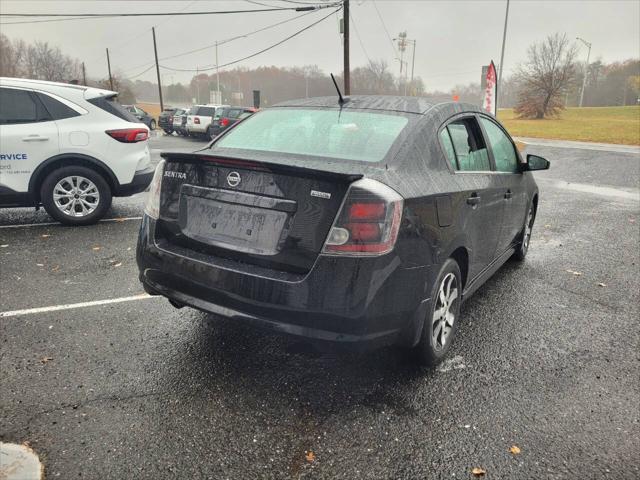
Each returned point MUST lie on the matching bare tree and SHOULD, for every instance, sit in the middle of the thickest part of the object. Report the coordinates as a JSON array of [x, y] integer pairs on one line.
[[39, 61], [545, 77]]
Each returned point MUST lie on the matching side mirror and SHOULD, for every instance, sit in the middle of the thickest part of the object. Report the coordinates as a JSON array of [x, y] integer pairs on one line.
[[534, 162]]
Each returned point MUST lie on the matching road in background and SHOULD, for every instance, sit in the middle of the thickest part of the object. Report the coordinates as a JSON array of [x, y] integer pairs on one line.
[[546, 359]]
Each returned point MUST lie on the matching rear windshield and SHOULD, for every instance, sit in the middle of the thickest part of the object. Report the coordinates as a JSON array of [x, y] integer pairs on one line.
[[206, 111], [111, 105], [361, 136]]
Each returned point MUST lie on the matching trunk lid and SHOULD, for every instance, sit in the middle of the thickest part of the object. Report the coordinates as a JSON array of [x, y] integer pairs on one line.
[[262, 213]]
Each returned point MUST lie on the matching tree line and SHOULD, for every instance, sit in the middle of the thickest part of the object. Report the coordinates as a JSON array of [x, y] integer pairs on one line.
[[548, 80]]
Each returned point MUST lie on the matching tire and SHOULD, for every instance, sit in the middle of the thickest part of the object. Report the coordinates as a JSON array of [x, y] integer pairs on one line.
[[80, 178], [152, 125], [432, 349], [168, 131], [209, 134], [523, 247]]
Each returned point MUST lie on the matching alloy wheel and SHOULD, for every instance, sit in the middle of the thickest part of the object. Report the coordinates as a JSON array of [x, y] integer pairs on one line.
[[76, 196], [444, 313]]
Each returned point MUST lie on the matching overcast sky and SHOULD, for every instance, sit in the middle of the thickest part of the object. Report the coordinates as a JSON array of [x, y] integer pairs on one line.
[[454, 38]]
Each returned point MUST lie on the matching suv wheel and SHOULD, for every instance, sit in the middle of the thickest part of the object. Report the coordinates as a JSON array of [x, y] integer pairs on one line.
[[441, 322], [209, 134], [75, 195], [152, 125]]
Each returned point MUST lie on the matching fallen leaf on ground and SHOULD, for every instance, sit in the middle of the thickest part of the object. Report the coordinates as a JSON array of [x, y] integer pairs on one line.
[[602, 284], [45, 235], [56, 268], [514, 449], [95, 248], [45, 360], [26, 443], [478, 472], [117, 264], [310, 456], [577, 274]]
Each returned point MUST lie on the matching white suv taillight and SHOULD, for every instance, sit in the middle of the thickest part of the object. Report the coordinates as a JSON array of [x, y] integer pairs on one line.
[[368, 221], [129, 135], [152, 207]]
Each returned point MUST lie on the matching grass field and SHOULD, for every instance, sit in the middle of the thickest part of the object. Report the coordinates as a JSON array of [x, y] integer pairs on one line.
[[589, 124], [152, 109]]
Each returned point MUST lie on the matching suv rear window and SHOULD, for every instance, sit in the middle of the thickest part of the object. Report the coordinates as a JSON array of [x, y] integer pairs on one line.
[[361, 136], [206, 111], [111, 105]]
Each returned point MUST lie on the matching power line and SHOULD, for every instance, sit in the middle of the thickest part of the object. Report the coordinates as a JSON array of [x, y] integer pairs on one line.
[[395, 52], [237, 37], [253, 54], [45, 21], [164, 14], [359, 39], [220, 42]]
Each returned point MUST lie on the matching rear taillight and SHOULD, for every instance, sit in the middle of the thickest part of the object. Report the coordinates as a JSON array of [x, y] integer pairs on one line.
[[196, 120], [152, 206], [368, 221], [129, 135], [224, 122]]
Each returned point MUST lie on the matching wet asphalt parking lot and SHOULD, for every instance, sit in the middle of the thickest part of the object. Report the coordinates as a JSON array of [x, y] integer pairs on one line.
[[546, 359]]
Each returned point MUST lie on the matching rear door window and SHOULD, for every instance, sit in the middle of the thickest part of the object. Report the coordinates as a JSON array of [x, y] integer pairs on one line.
[[468, 145], [19, 106], [504, 152]]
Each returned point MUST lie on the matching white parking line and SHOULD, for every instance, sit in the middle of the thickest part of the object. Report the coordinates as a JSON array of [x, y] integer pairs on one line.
[[123, 219], [69, 306]]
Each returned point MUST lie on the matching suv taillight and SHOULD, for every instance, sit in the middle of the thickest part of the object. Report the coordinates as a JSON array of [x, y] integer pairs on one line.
[[196, 120], [224, 122], [368, 221], [129, 135]]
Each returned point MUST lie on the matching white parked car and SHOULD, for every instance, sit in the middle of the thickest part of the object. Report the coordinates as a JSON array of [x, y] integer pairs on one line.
[[69, 148], [200, 118]]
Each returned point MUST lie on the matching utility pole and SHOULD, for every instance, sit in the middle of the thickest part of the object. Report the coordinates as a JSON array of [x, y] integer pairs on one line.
[[109, 68], [84, 75], [586, 68], [155, 52], [504, 39], [413, 60], [347, 73]]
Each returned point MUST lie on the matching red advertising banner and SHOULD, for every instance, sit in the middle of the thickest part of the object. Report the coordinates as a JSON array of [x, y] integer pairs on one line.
[[490, 90]]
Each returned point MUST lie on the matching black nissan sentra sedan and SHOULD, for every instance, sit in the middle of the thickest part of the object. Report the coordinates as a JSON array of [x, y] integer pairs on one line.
[[362, 223]]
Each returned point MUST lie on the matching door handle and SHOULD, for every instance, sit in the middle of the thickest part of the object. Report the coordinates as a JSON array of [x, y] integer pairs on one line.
[[508, 194], [35, 138], [474, 199]]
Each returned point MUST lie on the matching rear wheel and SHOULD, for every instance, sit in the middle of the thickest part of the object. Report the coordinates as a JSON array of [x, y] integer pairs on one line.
[[75, 195], [520, 254], [441, 322], [152, 125]]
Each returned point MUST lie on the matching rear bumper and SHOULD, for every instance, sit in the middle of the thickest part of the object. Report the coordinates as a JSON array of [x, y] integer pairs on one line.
[[357, 302], [139, 183]]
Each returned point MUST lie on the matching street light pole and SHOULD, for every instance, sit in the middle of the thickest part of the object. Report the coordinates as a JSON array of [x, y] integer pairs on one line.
[[218, 95], [504, 41], [586, 68]]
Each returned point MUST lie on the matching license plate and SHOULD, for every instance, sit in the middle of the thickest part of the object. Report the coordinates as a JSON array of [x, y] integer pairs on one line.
[[233, 226]]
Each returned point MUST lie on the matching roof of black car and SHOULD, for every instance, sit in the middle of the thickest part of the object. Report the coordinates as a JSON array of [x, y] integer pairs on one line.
[[371, 102]]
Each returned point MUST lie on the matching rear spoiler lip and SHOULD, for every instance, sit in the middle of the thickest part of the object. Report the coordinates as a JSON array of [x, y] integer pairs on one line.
[[261, 165]]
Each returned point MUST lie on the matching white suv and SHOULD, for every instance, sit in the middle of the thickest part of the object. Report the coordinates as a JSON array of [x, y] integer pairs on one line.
[[200, 118], [69, 148]]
